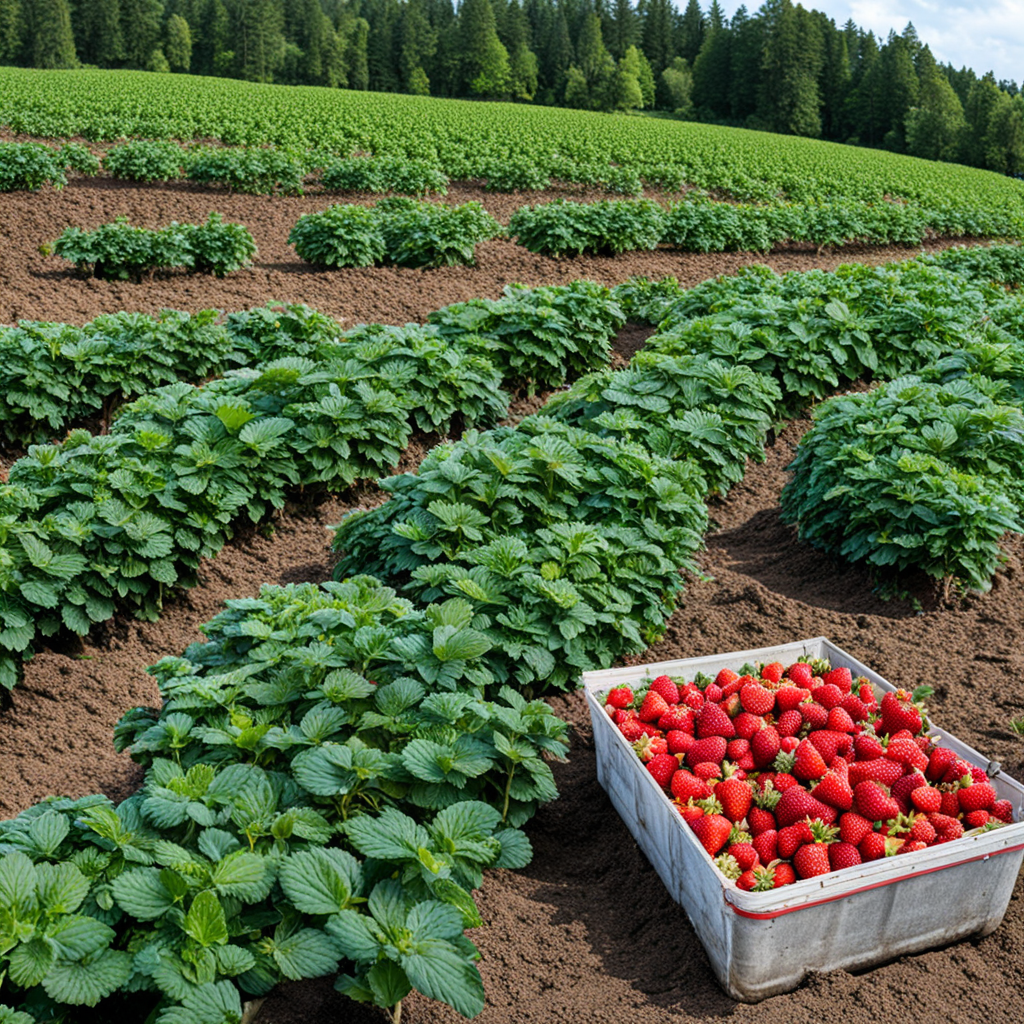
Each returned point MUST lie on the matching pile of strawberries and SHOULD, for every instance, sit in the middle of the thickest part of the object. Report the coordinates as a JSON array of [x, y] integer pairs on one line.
[[787, 773]]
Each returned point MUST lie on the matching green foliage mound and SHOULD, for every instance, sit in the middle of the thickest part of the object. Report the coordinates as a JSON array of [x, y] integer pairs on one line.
[[296, 816], [911, 475]]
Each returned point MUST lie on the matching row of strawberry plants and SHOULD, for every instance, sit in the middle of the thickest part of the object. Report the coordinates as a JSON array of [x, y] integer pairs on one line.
[[119, 251], [700, 225], [101, 522], [324, 786]]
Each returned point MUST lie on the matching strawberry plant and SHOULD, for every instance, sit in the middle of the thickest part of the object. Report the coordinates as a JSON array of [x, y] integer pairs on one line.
[[27, 166], [574, 565], [340, 236], [284, 829], [420, 234], [79, 158], [118, 251], [145, 160], [611, 226], [257, 171], [384, 174], [687, 407], [537, 337], [911, 475], [515, 175]]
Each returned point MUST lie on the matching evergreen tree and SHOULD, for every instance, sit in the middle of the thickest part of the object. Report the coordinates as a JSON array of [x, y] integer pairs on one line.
[[1004, 140], [623, 28], [746, 46], [382, 56], [140, 29], [97, 28], [485, 65], [418, 46], [793, 58], [835, 82], [899, 92], [12, 30], [257, 32], [692, 29], [982, 101], [866, 108], [935, 127], [656, 37], [712, 69], [178, 47], [522, 60], [49, 29], [353, 36]]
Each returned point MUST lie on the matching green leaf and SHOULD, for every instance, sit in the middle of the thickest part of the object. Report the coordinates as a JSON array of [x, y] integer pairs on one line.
[[61, 887], [141, 893], [516, 851], [48, 831], [434, 920], [321, 881], [440, 971], [86, 982], [355, 935], [213, 1003], [205, 921], [29, 963], [392, 835], [17, 881], [79, 936], [388, 982], [307, 954], [242, 874]]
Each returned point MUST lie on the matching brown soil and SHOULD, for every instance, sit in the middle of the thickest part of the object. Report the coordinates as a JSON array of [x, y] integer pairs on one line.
[[587, 932]]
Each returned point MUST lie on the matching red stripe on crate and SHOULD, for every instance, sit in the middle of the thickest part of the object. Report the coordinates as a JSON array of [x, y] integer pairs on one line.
[[769, 915]]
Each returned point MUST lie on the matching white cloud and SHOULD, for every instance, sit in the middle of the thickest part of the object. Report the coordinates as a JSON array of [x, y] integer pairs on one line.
[[985, 36]]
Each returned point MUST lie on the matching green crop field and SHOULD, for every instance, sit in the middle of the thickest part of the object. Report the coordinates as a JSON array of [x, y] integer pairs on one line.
[[466, 138]]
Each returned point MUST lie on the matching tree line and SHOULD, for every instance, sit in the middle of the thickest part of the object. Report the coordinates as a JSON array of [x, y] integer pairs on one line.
[[782, 68]]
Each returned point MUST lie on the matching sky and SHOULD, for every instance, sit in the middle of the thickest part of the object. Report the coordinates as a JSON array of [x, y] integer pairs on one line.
[[986, 35]]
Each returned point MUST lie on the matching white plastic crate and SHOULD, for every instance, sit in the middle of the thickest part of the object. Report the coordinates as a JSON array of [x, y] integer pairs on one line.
[[761, 944]]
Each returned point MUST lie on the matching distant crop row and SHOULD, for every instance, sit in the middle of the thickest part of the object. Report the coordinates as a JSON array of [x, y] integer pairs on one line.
[[474, 140]]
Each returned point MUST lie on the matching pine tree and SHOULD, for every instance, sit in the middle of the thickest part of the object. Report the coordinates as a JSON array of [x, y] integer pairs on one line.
[[384, 17], [746, 46], [656, 37], [523, 62], [1004, 140], [49, 29], [867, 99], [793, 57], [982, 101], [834, 82], [623, 28], [935, 127], [178, 47], [900, 91], [257, 32], [485, 65], [97, 28], [692, 29], [711, 69], [418, 42], [140, 30], [12, 31]]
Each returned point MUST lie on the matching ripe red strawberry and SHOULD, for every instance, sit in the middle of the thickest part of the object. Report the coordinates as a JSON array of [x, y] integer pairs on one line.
[[745, 853], [756, 699], [874, 846], [839, 677], [809, 763], [747, 725], [796, 803], [726, 676], [736, 796], [908, 753], [648, 747], [839, 720], [957, 772], [1002, 810], [784, 781], [764, 745], [735, 749], [922, 830], [731, 689], [649, 729], [662, 767], [792, 837], [713, 721], [912, 846], [620, 697], [766, 844], [686, 786], [827, 696], [707, 770], [950, 802], [760, 819], [731, 705], [901, 789], [712, 693], [693, 699], [772, 672], [898, 712], [946, 827], [978, 774], [679, 742], [881, 769], [712, 830], [868, 747], [976, 819], [632, 729], [814, 714], [784, 874], [678, 716], [855, 708], [979, 796], [938, 761], [790, 722], [853, 828], [925, 798], [653, 707], [789, 744], [799, 674], [843, 855], [747, 881], [667, 688], [712, 748], [871, 799], [812, 859], [828, 743], [789, 698], [834, 790]]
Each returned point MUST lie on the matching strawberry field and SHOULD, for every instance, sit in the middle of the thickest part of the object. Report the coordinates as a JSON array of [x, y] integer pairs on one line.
[[355, 776]]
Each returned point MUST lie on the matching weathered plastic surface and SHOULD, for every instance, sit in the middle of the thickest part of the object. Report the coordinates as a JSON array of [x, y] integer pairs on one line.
[[761, 944]]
